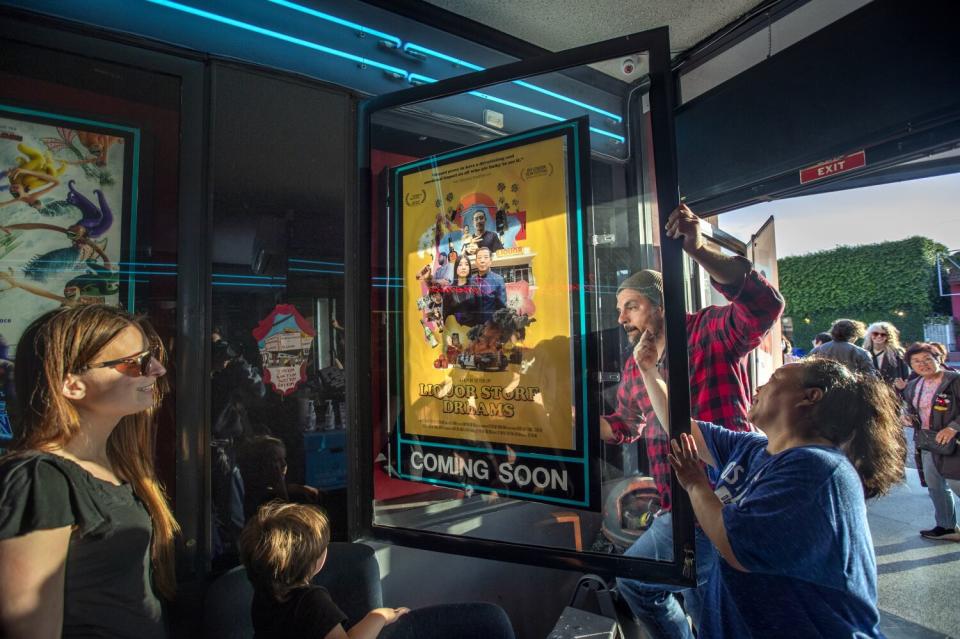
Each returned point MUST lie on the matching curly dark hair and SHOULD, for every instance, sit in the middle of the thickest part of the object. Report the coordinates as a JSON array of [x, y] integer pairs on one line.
[[860, 414], [847, 330]]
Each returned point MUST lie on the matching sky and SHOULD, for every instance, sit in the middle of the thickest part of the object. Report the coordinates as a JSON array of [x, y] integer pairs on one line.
[[929, 207]]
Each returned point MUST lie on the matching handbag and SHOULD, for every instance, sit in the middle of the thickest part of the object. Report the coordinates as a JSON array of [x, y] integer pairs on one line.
[[926, 439]]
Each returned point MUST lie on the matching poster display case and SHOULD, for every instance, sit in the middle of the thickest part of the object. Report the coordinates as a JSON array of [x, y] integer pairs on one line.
[[491, 318], [489, 344]]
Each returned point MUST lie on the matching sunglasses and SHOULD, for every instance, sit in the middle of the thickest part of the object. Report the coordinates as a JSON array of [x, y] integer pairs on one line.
[[134, 366], [880, 335]]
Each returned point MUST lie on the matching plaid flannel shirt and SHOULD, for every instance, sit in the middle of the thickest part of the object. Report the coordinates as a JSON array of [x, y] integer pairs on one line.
[[719, 338]]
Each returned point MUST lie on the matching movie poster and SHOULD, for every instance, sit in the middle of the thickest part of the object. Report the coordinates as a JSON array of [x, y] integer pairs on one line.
[[62, 218], [488, 317], [284, 338], [762, 251]]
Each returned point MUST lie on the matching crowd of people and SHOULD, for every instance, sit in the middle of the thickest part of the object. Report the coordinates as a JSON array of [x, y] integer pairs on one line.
[[778, 482]]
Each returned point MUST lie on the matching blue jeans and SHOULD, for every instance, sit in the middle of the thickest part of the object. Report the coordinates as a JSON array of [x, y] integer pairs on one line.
[[656, 605], [940, 491]]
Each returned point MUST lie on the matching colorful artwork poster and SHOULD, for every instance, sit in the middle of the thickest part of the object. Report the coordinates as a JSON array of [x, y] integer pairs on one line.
[[490, 317], [284, 338], [65, 204]]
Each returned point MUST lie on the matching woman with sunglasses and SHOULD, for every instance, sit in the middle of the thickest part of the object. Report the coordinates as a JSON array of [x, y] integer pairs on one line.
[[882, 342], [787, 514], [86, 535]]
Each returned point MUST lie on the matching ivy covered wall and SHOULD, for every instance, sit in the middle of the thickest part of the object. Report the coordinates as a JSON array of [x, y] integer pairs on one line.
[[891, 281]]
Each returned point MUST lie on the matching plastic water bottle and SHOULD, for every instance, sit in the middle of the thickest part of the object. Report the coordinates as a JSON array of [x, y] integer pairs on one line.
[[329, 418]]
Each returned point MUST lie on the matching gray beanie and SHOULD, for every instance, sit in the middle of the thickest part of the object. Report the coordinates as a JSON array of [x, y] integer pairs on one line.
[[646, 282]]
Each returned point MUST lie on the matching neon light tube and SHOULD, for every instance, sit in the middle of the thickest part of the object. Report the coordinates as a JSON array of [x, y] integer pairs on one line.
[[200, 13], [334, 19], [469, 65], [416, 78]]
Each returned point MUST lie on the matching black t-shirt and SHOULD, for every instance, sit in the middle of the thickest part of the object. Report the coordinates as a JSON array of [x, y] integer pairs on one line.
[[108, 589], [308, 613]]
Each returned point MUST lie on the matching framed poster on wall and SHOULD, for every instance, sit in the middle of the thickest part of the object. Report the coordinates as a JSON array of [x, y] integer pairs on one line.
[[67, 216], [488, 316]]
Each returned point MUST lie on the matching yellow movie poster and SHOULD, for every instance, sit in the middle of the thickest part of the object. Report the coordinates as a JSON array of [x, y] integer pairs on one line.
[[487, 342], [487, 318]]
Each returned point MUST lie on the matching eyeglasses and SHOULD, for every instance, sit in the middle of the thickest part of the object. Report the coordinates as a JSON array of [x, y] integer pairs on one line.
[[879, 334], [134, 366]]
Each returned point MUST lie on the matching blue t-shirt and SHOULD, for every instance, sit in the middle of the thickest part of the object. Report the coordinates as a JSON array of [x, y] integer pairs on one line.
[[797, 521]]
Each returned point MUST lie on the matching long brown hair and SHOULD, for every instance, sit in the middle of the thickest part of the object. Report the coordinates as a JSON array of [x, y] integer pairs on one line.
[[62, 342], [860, 414]]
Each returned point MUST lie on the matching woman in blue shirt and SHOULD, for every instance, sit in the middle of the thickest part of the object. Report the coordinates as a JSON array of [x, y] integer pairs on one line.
[[787, 515]]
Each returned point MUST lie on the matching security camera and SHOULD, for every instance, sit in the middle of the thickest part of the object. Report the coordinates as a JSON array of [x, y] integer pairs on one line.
[[628, 66]]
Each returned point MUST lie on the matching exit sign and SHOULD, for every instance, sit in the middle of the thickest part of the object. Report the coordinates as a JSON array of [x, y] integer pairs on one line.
[[833, 167]]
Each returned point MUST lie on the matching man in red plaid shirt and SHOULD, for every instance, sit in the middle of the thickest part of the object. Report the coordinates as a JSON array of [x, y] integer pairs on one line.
[[719, 338]]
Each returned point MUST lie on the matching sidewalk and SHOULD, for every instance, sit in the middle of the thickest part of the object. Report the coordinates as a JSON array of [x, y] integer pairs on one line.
[[917, 579]]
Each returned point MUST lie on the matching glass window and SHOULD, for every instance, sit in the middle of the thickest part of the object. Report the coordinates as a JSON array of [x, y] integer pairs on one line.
[[277, 381], [505, 220], [88, 200]]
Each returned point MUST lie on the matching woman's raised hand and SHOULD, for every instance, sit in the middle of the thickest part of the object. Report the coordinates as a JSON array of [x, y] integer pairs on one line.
[[686, 462]]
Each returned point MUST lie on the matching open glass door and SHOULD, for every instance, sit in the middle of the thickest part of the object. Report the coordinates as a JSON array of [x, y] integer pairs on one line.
[[498, 212]]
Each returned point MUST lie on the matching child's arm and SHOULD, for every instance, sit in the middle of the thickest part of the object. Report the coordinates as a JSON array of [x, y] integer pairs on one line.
[[370, 626]]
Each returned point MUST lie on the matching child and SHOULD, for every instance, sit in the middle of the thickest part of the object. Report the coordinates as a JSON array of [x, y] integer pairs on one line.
[[283, 546]]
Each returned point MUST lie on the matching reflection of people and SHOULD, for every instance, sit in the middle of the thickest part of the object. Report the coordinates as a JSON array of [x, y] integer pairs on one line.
[[263, 466], [443, 274], [842, 349], [283, 547], [87, 535], [490, 289], [485, 238], [718, 340], [933, 404], [882, 342], [460, 299], [788, 516], [234, 384]]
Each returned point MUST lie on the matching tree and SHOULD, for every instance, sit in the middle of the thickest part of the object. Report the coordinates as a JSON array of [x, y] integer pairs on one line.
[[891, 281]]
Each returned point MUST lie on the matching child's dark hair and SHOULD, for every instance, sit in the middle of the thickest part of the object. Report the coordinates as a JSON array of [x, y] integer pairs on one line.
[[859, 413], [281, 545]]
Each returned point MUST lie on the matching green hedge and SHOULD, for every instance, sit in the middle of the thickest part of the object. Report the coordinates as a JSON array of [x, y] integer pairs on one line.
[[891, 281]]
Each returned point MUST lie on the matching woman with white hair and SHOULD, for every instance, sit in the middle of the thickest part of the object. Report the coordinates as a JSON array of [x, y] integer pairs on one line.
[[882, 341]]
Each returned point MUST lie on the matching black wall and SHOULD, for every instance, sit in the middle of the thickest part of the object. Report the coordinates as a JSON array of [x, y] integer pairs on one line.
[[885, 72]]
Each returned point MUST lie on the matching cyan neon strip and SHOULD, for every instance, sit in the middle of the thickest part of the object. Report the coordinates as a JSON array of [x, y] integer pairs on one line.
[[302, 261], [469, 65], [416, 78], [443, 56], [200, 13], [154, 264], [334, 19], [583, 105], [134, 177], [314, 270], [250, 284], [583, 315], [249, 277], [495, 451]]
